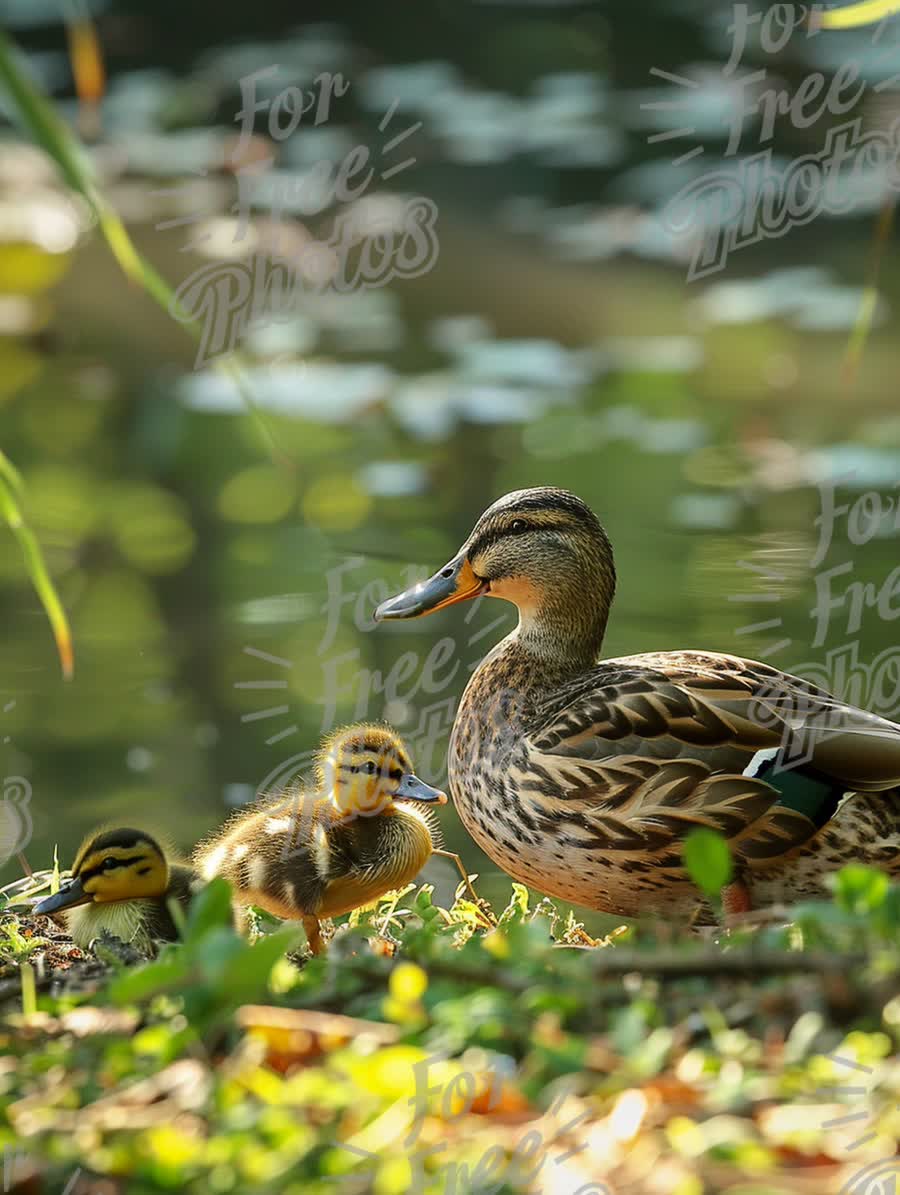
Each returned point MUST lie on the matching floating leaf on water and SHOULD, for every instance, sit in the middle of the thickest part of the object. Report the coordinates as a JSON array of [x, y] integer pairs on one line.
[[499, 404], [409, 86], [706, 512], [806, 297], [257, 494], [394, 479], [325, 143], [332, 393], [563, 124], [49, 222], [134, 100], [425, 406], [49, 69], [714, 104], [672, 435], [651, 354], [182, 152], [857, 466], [29, 14], [297, 335], [524, 362], [453, 333], [836, 309]]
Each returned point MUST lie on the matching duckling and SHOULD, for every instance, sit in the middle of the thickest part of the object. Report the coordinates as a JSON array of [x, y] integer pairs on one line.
[[122, 882], [310, 855], [582, 776]]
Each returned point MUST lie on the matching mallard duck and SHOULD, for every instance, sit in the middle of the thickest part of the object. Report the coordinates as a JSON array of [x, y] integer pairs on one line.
[[309, 854], [582, 776], [121, 884]]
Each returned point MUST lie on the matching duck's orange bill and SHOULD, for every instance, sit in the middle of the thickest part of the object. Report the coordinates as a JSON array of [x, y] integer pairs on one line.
[[456, 582]]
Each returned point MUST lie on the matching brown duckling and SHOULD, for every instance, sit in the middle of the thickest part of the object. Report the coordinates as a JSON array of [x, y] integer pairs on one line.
[[312, 854]]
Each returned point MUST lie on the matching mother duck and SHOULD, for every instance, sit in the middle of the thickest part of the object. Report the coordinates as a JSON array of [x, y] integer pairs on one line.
[[582, 777]]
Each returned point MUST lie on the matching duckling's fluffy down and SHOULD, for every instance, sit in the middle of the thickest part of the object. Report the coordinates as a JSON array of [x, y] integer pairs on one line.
[[294, 855]]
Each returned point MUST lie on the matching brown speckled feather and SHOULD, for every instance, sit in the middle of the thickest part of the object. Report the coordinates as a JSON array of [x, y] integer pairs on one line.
[[295, 863], [584, 777], [617, 765]]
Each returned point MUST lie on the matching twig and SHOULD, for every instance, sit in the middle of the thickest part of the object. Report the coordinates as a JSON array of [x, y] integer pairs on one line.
[[750, 963], [613, 963], [490, 920]]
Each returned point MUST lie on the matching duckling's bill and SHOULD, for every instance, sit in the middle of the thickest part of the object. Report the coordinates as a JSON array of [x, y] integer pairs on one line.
[[69, 896], [411, 788], [455, 582]]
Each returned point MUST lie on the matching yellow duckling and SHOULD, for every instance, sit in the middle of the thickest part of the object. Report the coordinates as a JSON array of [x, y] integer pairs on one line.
[[122, 882], [314, 854]]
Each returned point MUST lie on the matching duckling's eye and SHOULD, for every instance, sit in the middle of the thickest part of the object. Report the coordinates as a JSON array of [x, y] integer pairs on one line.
[[518, 525], [371, 767], [109, 861]]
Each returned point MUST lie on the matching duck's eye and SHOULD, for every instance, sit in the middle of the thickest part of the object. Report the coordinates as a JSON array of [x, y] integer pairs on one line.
[[518, 525], [110, 861], [371, 767]]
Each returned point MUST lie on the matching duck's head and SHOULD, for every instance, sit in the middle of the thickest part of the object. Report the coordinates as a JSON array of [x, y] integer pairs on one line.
[[542, 549], [112, 865], [366, 768]]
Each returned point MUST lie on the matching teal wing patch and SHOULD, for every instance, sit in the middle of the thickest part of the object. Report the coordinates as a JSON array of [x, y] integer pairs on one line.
[[801, 790]]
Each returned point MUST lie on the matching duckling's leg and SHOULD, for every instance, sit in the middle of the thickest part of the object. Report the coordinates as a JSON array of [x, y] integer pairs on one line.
[[314, 934], [462, 871]]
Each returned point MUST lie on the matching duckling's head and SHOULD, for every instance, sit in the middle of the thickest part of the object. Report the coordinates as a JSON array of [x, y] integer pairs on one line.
[[542, 549], [366, 768], [112, 865]]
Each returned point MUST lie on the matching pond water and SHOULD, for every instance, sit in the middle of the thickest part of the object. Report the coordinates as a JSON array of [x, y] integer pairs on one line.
[[220, 567]]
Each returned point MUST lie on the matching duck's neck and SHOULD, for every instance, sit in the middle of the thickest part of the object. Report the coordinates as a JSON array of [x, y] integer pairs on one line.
[[564, 639], [523, 668]]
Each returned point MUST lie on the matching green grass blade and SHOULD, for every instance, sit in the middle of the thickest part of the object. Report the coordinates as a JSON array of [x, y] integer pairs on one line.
[[29, 990], [869, 303], [38, 116], [867, 12], [40, 577], [10, 474], [40, 120]]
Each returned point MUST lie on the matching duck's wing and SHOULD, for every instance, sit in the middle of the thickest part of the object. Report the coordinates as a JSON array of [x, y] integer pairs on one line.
[[644, 748]]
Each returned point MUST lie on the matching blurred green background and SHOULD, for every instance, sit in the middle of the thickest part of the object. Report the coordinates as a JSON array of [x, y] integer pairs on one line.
[[219, 593]]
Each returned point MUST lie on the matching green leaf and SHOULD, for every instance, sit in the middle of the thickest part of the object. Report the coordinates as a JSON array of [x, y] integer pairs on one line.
[[247, 974], [210, 909], [708, 860], [517, 909], [859, 889], [142, 982]]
